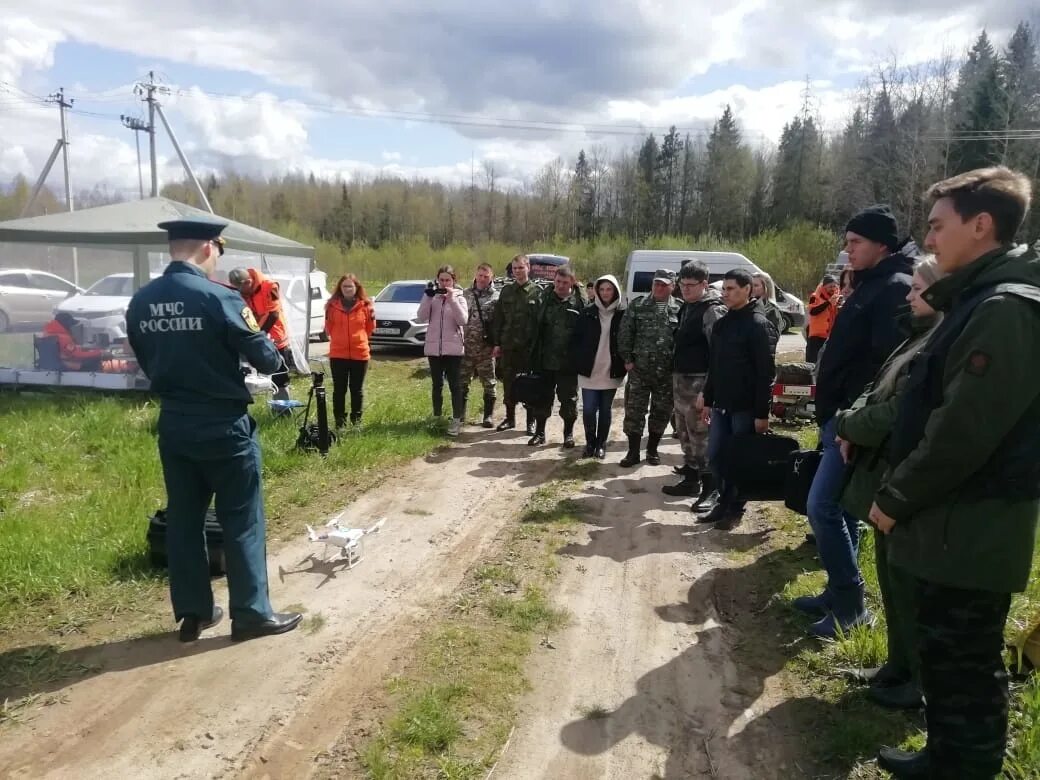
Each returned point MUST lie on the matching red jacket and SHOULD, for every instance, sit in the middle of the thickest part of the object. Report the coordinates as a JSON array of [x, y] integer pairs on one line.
[[72, 354], [266, 302], [349, 329]]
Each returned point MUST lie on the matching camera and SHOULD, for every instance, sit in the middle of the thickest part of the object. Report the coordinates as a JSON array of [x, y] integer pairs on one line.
[[317, 379], [432, 288]]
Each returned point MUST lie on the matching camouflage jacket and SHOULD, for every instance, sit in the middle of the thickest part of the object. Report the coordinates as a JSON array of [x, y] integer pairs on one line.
[[554, 343], [647, 335], [516, 315], [481, 317]]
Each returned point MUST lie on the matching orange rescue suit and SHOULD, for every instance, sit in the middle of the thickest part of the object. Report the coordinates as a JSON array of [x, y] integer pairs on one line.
[[822, 311], [72, 354], [265, 300]]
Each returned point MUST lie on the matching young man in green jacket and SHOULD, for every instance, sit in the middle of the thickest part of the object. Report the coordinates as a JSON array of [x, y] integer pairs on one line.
[[962, 499]]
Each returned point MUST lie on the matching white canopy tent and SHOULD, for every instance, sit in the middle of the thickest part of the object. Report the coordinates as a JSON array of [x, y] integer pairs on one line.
[[112, 251]]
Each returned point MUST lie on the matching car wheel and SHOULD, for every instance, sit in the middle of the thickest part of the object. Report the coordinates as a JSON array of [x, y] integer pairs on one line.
[[785, 323], [5, 322]]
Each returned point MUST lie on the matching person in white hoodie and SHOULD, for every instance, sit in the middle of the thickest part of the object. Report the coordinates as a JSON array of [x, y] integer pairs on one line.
[[601, 370]]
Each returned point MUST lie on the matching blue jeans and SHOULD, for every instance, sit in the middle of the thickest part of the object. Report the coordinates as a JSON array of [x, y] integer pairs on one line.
[[724, 425], [837, 532], [595, 414]]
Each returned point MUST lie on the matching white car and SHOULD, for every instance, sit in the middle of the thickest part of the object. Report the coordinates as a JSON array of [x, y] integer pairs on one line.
[[397, 309], [28, 297], [101, 308], [295, 294]]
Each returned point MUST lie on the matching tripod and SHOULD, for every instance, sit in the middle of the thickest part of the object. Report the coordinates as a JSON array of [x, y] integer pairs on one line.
[[316, 435]]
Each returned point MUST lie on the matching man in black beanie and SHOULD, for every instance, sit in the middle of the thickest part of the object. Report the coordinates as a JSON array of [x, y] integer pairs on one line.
[[864, 334]]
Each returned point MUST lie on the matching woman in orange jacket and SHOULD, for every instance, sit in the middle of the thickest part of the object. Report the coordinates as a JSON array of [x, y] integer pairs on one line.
[[349, 321], [823, 308]]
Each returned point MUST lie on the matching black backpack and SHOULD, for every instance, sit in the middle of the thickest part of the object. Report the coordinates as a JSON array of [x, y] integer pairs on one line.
[[757, 464]]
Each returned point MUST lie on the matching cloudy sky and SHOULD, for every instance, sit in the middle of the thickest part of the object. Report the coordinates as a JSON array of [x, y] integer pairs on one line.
[[423, 89]]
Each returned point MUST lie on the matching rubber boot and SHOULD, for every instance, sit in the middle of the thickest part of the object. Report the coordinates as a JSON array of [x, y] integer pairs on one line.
[[531, 424], [651, 449], [568, 434], [709, 496], [848, 611], [510, 421], [814, 606], [489, 408], [632, 456]]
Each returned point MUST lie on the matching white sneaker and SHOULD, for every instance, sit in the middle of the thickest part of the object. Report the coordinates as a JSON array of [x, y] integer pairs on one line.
[[454, 426]]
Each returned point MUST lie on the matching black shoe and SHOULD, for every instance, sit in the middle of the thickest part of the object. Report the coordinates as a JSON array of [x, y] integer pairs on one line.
[[717, 513], [877, 676], [506, 425], [589, 451], [192, 625], [487, 423], [685, 471], [489, 408], [652, 457], [278, 623], [340, 422], [530, 423], [536, 440], [600, 453], [709, 496], [897, 697], [730, 520], [568, 436], [690, 486], [904, 765], [810, 538], [632, 457]]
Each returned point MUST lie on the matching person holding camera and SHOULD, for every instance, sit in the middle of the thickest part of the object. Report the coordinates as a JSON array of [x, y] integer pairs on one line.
[[479, 360], [444, 308], [349, 321]]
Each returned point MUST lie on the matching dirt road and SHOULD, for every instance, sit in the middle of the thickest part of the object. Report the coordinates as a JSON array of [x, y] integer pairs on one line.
[[640, 684]]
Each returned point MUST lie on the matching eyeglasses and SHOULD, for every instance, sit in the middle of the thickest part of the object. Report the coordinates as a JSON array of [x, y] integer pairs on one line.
[[219, 244]]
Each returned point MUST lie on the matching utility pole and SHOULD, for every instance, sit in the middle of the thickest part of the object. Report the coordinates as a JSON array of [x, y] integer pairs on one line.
[[138, 126], [61, 145], [148, 90]]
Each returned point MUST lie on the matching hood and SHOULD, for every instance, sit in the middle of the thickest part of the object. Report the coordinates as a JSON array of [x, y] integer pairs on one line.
[[257, 276], [617, 289], [1007, 265]]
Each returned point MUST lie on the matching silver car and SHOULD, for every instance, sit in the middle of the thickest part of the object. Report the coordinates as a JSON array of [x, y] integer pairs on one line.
[[28, 297]]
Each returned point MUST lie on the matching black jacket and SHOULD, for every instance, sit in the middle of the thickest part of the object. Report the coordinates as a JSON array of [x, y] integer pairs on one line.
[[742, 367], [865, 332], [586, 341], [691, 345]]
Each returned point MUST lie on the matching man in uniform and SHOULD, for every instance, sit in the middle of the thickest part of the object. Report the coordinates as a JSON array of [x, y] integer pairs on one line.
[[960, 504], [646, 342], [479, 361], [703, 307], [514, 330], [264, 298], [187, 334], [553, 355]]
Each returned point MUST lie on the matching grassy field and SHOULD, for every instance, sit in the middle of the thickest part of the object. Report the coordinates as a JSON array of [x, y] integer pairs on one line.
[[80, 475]]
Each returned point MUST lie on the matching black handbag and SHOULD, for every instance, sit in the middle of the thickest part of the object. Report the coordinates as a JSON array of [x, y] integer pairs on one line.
[[214, 542], [756, 464], [801, 470], [530, 388]]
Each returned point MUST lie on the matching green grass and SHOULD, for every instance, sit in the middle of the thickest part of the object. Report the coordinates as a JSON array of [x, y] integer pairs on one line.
[[80, 475], [454, 709]]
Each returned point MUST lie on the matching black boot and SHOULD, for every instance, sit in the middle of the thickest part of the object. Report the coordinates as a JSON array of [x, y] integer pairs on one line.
[[651, 449], [510, 422], [904, 765], [531, 424], [568, 434], [897, 697], [690, 486], [709, 496], [340, 422], [632, 456], [719, 513], [538, 436], [489, 407]]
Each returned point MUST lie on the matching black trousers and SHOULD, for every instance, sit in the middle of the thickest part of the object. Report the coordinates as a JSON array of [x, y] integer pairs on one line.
[[347, 374], [960, 640], [447, 367], [281, 376], [812, 348]]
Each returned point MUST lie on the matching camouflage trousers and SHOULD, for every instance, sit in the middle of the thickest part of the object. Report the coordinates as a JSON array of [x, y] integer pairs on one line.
[[478, 363], [693, 434], [648, 389], [960, 640], [512, 363]]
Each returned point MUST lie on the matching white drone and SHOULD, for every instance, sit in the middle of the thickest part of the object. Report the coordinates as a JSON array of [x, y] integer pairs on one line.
[[350, 541]]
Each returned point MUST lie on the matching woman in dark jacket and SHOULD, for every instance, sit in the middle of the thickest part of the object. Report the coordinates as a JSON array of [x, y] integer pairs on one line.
[[863, 431], [600, 368]]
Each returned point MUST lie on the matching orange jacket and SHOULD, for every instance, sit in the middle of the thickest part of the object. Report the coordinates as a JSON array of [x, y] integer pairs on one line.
[[266, 302], [822, 311], [349, 329], [72, 354]]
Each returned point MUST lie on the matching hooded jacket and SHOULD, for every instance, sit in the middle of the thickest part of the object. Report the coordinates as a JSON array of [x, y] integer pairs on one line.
[[73, 356], [447, 315], [266, 302], [349, 328], [593, 353], [865, 333]]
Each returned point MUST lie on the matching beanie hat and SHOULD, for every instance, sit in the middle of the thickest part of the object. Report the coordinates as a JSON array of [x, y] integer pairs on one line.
[[876, 223], [828, 279]]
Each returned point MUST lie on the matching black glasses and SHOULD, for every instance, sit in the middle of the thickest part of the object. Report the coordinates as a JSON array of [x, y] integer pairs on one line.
[[219, 244]]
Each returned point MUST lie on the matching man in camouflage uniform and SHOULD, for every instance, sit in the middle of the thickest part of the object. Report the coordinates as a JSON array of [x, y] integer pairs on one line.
[[514, 331], [479, 361], [961, 501], [646, 341], [702, 308], [553, 355]]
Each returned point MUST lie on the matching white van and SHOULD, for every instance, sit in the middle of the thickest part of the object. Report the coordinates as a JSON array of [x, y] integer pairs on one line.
[[639, 270]]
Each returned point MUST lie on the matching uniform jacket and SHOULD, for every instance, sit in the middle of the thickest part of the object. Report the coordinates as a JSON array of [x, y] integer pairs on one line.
[[554, 340], [740, 378], [447, 315], [692, 338], [481, 305], [72, 354], [516, 315], [349, 329], [187, 334], [865, 332], [823, 309], [266, 302], [990, 388], [647, 336]]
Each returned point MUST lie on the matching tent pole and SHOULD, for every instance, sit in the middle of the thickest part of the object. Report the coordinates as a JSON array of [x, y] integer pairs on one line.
[[184, 160]]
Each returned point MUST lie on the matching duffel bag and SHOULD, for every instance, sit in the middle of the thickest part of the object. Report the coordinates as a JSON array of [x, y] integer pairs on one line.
[[214, 542], [795, 374], [801, 470], [756, 463]]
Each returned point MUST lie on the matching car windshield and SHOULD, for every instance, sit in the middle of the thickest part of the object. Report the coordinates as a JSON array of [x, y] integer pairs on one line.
[[401, 293], [113, 285]]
